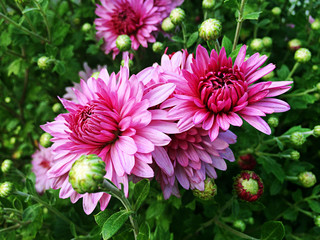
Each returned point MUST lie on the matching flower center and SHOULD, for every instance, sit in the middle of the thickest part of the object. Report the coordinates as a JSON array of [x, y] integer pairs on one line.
[[45, 164], [220, 90], [124, 20]]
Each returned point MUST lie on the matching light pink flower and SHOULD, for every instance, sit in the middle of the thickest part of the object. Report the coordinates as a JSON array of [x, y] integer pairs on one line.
[[84, 75], [136, 18], [42, 160], [165, 6], [112, 120], [189, 158], [215, 93]]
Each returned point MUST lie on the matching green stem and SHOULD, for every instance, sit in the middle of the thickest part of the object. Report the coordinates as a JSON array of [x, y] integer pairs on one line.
[[10, 228], [233, 231], [292, 178], [52, 209], [12, 210], [295, 66], [217, 46], [115, 192], [205, 15], [26, 17], [239, 25], [44, 19], [3, 7], [301, 93], [23, 28], [184, 32]]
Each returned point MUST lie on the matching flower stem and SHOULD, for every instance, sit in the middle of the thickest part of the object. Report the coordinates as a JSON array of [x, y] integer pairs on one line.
[[239, 25], [301, 93], [295, 66], [52, 209], [184, 32], [44, 19], [217, 46], [115, 192], [291, 178]]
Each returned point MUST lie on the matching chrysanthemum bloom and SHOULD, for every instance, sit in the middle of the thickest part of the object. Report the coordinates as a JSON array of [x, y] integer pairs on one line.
[[136, 18], [189, 158], [42, 161], [215, 93], [165, 6], [248, 186], [84, 75], [111, 120]]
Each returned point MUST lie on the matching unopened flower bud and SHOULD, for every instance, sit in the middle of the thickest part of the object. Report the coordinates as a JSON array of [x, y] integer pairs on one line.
[[210, 29], [208, 4], [256, 44], [267, 42], [17, 154], [6, 188], [268, 76], [6, 166], [45, 140], [43, 63], [76, 21], [276, 11], [316, 24], [86, 27], [318, 86], [167, 25], [307, 179], [7, 99], [316, 131], [247, 162], [240, 225], [315, 67], [123, 43], [57, 107], [157, 47], [177, 16], [317, 96], [295, 155], [302, 55], [210, 190], [130, 63], [248, 186], [273, 121], [250, 220], [317, 221], [87, 174], [294, 44], [297, 138]]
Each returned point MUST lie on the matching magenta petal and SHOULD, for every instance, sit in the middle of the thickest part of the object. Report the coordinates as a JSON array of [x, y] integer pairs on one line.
[[143, 170], [126, 144], [258, 123], [159, 94], [163, 161]]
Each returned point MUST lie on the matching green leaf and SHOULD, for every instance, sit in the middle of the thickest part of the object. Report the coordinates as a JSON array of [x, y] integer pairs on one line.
[[144, 232], [67, 52], [275, 187], [32, 216], [271, 166], [30, 187], [155, 209], [15, 67], [59, 68], [141, 191], [316, 190], [314, 205], [29, 10], [283, 72], [279, 143], [273, 230], [235, 208], [252, 16], [264, 22], [177, 39], [5, 39], [227, 44], [290, 214], [296, 129], [234, 53], [192, 39], [114, 223], [102, 217], [297, 195]]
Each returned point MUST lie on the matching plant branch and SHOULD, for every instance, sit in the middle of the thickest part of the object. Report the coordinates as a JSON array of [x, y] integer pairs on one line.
[[239, 25], [44, 19]]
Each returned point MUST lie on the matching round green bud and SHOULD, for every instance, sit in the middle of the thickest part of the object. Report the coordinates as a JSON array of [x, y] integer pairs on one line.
[[318, 86], [256, 44], [123, 43], [307, 179], [317, 221], [177, 16], [208, 4], [294, 44], [210, 190], [316, 24], [210, 29], [273, 121], [45, 140], [43, 63], [317, 96], [167, 25], [315, 67], [250, 220], [267, 42], [6, 166], [57, 107], [76, 21], [268, 76], [295, 155], [240, 225], [12, 140], [6, 188], [276, 11], [157, 47], [297, 138], [316, 131], [302, 55], [87, 173], [7, 99], [17, 154], [86, 27], [130, 63]]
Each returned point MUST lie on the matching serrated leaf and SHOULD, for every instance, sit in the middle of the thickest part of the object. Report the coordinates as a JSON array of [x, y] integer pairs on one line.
[[297, 195], [252, 16], [30, 187], [141, 191], [155, 209], [15, 67], [283, 72], [316, 190], [144, 232], [290, 214], [32, 216], [192, 39], [102, 217], [60, 68], [275, 187], [297, 129], [114, 223], [314, 205], [273, 230], [227, 44], [271, 166]]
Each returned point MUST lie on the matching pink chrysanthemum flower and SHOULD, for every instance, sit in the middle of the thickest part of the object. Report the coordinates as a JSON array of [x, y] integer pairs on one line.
[[165, 6], [112, 120], [136, 18], [42, 161], [85, 75], [215, 93], [189, 158]]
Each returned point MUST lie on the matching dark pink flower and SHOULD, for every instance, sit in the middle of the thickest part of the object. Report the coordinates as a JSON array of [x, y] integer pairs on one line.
[[112, 120], [42, 160], [165, 6], [216, 92], [136, 18]]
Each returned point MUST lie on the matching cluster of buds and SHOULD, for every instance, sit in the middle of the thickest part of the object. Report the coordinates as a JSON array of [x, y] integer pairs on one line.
[[248, 186], [210, 29], [210, 190]]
